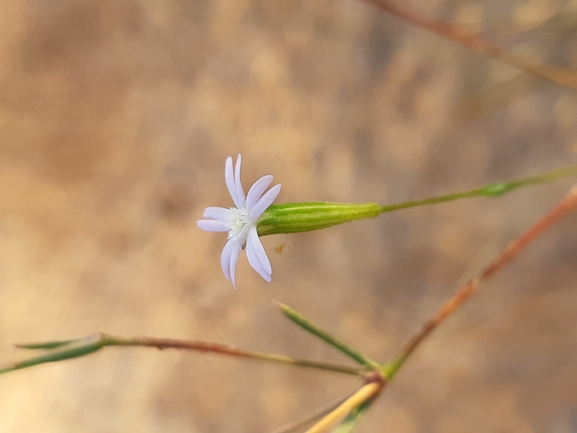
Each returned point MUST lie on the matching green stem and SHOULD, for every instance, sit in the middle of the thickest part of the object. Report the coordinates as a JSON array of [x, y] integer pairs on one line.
[[490, 190], [389, 370]]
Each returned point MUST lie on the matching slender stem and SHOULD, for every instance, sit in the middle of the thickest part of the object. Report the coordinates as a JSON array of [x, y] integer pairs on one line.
[[58, 351], [365, 393], [429, 200], [568, 204], [203, 346], [564, 77], [489, 190]]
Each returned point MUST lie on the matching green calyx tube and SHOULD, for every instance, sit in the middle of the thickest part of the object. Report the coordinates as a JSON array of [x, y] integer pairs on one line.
[[308, 216]]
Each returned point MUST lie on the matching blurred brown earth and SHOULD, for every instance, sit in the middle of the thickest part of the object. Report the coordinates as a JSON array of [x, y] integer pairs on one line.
[[115, 121]]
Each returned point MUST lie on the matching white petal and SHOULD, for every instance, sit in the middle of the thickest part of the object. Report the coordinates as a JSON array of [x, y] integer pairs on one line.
[[229, 178], [257, 189], [257, 256], [217, 213], [229, 258], [264, 202], [212, 225], [239, 190]]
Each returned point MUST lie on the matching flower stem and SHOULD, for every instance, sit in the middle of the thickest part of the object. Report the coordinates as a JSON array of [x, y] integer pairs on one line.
[[308, 216], [490, 190]]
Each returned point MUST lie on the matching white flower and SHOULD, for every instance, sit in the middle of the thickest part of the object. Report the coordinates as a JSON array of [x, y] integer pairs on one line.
[[240, 222]]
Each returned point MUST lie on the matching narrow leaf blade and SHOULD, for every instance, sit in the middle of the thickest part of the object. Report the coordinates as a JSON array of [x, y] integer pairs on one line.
[[329, 338]]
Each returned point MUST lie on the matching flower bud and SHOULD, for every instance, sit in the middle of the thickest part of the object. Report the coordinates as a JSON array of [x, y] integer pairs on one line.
[[307, 216]]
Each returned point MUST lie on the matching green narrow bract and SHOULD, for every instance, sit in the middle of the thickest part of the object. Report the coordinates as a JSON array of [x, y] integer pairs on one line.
[[308, 216], [58, 351], [329, 338]]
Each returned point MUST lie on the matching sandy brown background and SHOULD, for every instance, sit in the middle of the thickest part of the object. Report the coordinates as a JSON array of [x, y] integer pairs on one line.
[[115, 121]]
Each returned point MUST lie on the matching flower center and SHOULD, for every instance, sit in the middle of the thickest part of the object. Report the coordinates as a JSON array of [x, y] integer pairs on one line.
[[238, 224]]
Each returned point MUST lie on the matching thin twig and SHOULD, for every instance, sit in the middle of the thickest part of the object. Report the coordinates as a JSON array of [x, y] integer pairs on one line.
[[58, 351], [564, 77], [568, 204], [203, 346]]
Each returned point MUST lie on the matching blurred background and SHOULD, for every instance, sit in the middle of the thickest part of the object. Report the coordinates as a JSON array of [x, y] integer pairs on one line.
[[115, 121]]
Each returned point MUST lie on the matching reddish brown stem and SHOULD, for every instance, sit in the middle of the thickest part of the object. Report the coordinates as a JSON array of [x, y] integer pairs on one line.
[[60, 350], [568, 204], [564, 77], [205, 346]]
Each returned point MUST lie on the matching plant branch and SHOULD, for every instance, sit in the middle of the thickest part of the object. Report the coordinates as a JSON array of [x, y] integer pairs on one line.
[[564, 77], [61, 350], [568, 204]]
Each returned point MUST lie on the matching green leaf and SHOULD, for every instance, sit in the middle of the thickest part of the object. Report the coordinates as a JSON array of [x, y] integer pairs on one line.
[[69, 349], [329, 338], [50, 344]]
